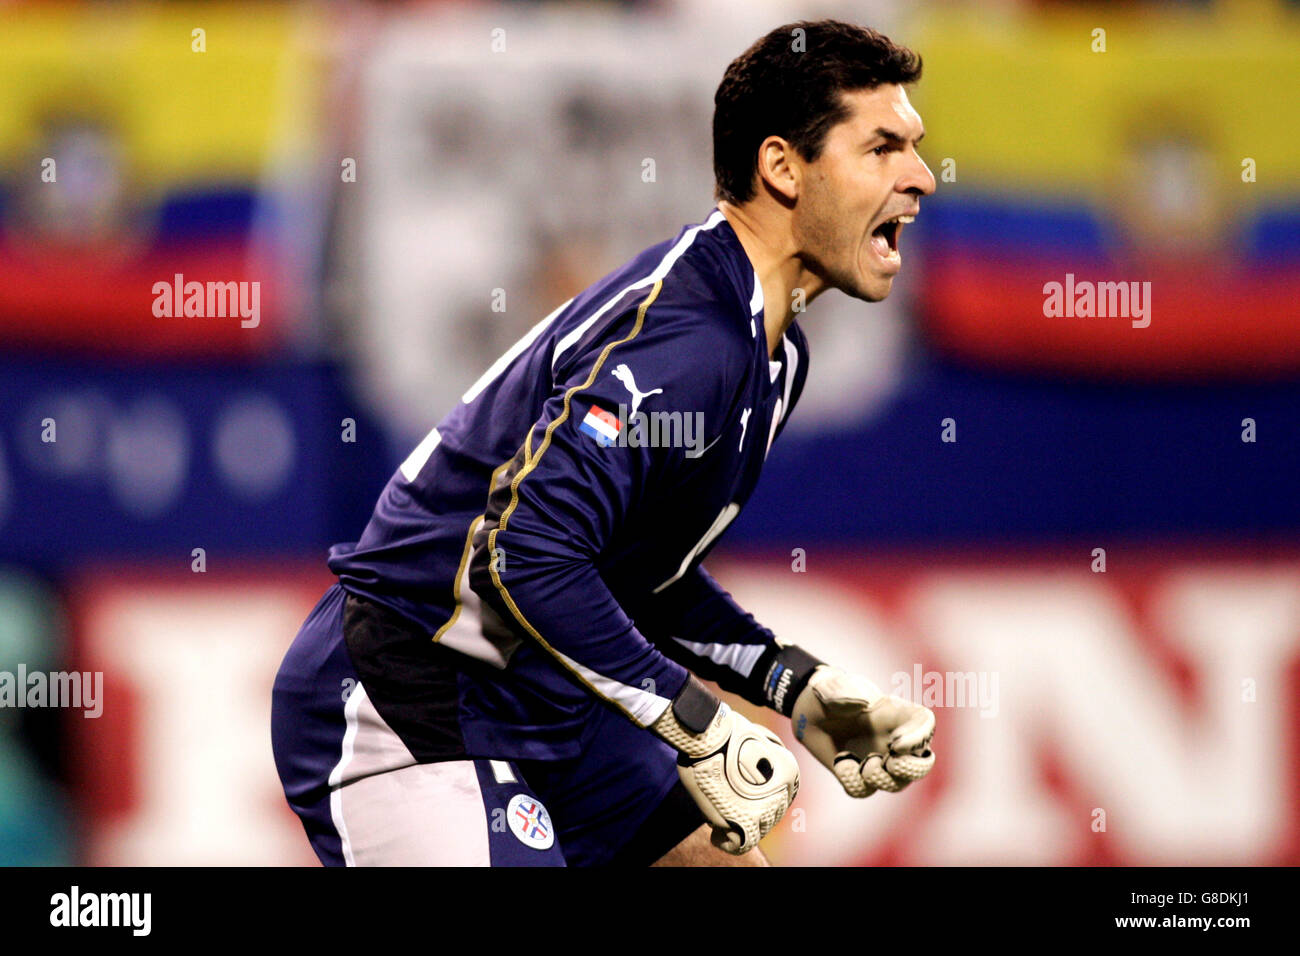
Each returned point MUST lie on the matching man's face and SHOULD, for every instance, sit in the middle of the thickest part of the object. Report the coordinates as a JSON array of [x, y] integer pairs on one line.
[[867, 175]]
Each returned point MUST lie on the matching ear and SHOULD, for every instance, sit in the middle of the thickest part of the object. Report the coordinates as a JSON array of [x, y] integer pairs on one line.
[[778, 166]]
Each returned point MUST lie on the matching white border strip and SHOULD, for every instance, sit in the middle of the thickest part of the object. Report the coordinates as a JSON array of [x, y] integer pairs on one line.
[[660, 271]]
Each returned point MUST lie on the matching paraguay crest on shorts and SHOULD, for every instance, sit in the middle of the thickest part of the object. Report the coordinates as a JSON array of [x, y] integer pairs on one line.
[[530, 822]]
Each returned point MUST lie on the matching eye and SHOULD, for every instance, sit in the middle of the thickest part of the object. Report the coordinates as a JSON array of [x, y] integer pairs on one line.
[[882, 150]]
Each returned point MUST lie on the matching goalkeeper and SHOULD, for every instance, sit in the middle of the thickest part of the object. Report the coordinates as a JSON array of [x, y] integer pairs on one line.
[[503, 674]]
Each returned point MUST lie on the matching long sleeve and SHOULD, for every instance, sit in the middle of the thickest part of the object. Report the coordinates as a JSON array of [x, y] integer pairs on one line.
[[697, 623], [565, 494]]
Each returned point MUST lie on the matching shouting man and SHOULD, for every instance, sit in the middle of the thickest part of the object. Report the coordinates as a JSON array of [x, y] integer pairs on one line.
[[503, 674]]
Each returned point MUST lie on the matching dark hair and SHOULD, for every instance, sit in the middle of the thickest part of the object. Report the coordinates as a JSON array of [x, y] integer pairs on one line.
[[788, 84]]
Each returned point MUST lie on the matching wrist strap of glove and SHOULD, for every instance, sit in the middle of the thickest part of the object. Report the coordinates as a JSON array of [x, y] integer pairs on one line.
[[694, 707], [779, 677], [695, 723]]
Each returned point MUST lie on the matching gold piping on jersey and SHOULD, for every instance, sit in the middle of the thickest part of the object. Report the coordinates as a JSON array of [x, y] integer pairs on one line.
[[464, 560], [528, 444]]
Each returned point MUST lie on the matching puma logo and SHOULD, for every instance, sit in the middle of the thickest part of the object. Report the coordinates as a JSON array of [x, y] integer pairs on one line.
[[624, 375]]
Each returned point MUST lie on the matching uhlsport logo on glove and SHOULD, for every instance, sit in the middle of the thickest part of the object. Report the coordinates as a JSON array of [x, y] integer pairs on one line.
[[530, 822]]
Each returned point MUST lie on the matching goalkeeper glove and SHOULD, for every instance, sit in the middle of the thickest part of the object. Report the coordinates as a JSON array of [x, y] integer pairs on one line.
[[740, 774], [869, 740]]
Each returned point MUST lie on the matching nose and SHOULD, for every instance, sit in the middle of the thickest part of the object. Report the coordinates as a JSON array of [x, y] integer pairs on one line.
[[917, 180]]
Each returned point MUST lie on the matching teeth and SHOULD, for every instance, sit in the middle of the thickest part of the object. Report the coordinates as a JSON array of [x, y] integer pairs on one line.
[[900, 220]]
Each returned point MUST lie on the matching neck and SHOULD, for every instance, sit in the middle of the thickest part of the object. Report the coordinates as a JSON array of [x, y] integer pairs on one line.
[[765, 233]]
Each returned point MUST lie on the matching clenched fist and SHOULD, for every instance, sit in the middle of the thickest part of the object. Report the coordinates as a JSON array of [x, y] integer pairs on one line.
[[869, 740]]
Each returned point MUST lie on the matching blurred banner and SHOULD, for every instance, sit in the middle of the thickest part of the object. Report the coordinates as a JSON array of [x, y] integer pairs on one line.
[[143, 144], [1114, 154], [176, 770], [1039, 670], [156, 460], [1147, 713]]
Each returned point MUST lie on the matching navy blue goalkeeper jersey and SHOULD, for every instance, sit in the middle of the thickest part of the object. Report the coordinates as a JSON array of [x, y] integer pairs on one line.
[[546, 536]]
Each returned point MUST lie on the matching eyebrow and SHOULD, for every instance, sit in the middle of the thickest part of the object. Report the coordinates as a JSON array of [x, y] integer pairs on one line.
[[892, 137]]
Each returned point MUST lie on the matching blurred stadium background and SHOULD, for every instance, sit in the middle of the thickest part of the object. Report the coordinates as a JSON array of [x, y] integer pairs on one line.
[[1142, 714]]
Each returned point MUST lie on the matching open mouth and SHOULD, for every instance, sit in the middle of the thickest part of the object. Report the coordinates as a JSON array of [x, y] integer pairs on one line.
[[884, 238]]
